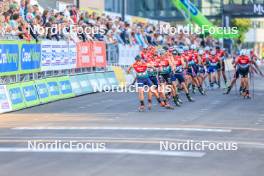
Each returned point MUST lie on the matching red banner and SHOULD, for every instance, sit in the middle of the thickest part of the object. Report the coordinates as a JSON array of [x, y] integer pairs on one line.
[[84, 55], [91, 54], [99, 54]]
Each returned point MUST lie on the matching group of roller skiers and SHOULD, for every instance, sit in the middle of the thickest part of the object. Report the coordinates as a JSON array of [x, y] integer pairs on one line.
[[166, 71]]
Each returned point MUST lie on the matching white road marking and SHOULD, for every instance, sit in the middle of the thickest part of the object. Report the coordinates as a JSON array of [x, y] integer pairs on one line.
[[126, 128], [204, 109], [107, 151]]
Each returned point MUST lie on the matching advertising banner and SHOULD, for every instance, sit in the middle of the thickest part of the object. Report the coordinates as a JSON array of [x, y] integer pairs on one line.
[[58, 55], [72, 55], [103, 83], [85, 84], [42, 90], [75, 84], [99, 54], [16, 96], [65, 87], [30, 93], [110, 76], [9, 58], [127, 54], [189, 8], [93, 82], [5, 104], [30, 57], [84, 55], [53, 88]]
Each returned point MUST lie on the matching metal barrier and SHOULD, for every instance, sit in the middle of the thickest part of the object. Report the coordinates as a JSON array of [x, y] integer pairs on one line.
[[23, 77], [112, 54]]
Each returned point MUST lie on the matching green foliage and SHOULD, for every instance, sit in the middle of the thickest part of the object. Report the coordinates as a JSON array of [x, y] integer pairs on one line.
[[243, 25]]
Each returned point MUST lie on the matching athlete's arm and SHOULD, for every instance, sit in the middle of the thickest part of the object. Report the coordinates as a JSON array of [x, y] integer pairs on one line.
[[183, 63], [129, 69], [257, 67], [172, 65]]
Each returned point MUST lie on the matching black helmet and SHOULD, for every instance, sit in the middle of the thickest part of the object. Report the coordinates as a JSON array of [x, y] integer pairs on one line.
[[174, 52], [165, 48]]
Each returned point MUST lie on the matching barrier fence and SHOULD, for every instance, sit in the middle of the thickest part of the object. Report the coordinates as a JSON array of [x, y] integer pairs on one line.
[[54, 70], [122, 55], [22, 95], [49, 57]]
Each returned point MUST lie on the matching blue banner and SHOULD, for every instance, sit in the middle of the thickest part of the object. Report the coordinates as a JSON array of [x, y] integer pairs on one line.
[[16, 95], [30, 57], [30, 93], [65, 87], [9, 58], [53, 88], [42, 90]]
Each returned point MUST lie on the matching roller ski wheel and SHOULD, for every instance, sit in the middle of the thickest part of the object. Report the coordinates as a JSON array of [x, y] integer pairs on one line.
[[202, 92], [190, 99], [141, 109], [167, 106], [177, 103], [149, 106], [180, 101], [227, 90], [247, 96]]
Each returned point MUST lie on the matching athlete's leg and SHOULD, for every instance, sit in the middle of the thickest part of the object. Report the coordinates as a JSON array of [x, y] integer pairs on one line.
[[141, 99]]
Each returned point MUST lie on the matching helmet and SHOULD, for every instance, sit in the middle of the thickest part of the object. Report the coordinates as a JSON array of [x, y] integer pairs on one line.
[[165, 48], [207, 48], [175, 47], [186, 48], [248, 52], [213, 52], [180, 51], [171, 49], [200, 52], [161, 51], [243, 52], [193, 47], [174, 52], [137, 58]]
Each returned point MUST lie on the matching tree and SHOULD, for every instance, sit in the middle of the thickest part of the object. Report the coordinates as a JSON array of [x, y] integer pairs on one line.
[[243, 25]]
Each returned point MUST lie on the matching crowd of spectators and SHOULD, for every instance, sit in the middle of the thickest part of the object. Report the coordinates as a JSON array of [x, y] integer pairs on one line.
[[20, 18]]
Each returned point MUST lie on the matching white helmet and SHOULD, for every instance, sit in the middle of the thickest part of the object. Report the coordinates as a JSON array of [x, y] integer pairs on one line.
[[180, 51], [243, 52], [185, 48], [213, 52], [200, 52], [193, 47], [207, 48], [248, 52]]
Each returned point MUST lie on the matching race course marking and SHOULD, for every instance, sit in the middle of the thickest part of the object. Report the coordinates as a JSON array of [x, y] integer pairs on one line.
[[106, 151], [126, 128]]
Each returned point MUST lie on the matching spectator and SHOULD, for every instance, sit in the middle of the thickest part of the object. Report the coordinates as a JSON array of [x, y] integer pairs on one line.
[[22, 9], [29, 16]]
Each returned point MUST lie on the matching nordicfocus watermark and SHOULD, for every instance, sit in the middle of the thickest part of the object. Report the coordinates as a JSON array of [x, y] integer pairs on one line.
[[66, 145], [59, 29], [191, 145], [131, 88], [191, 29]]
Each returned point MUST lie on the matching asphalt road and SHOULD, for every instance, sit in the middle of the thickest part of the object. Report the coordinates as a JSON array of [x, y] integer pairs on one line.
[[132, 139]]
